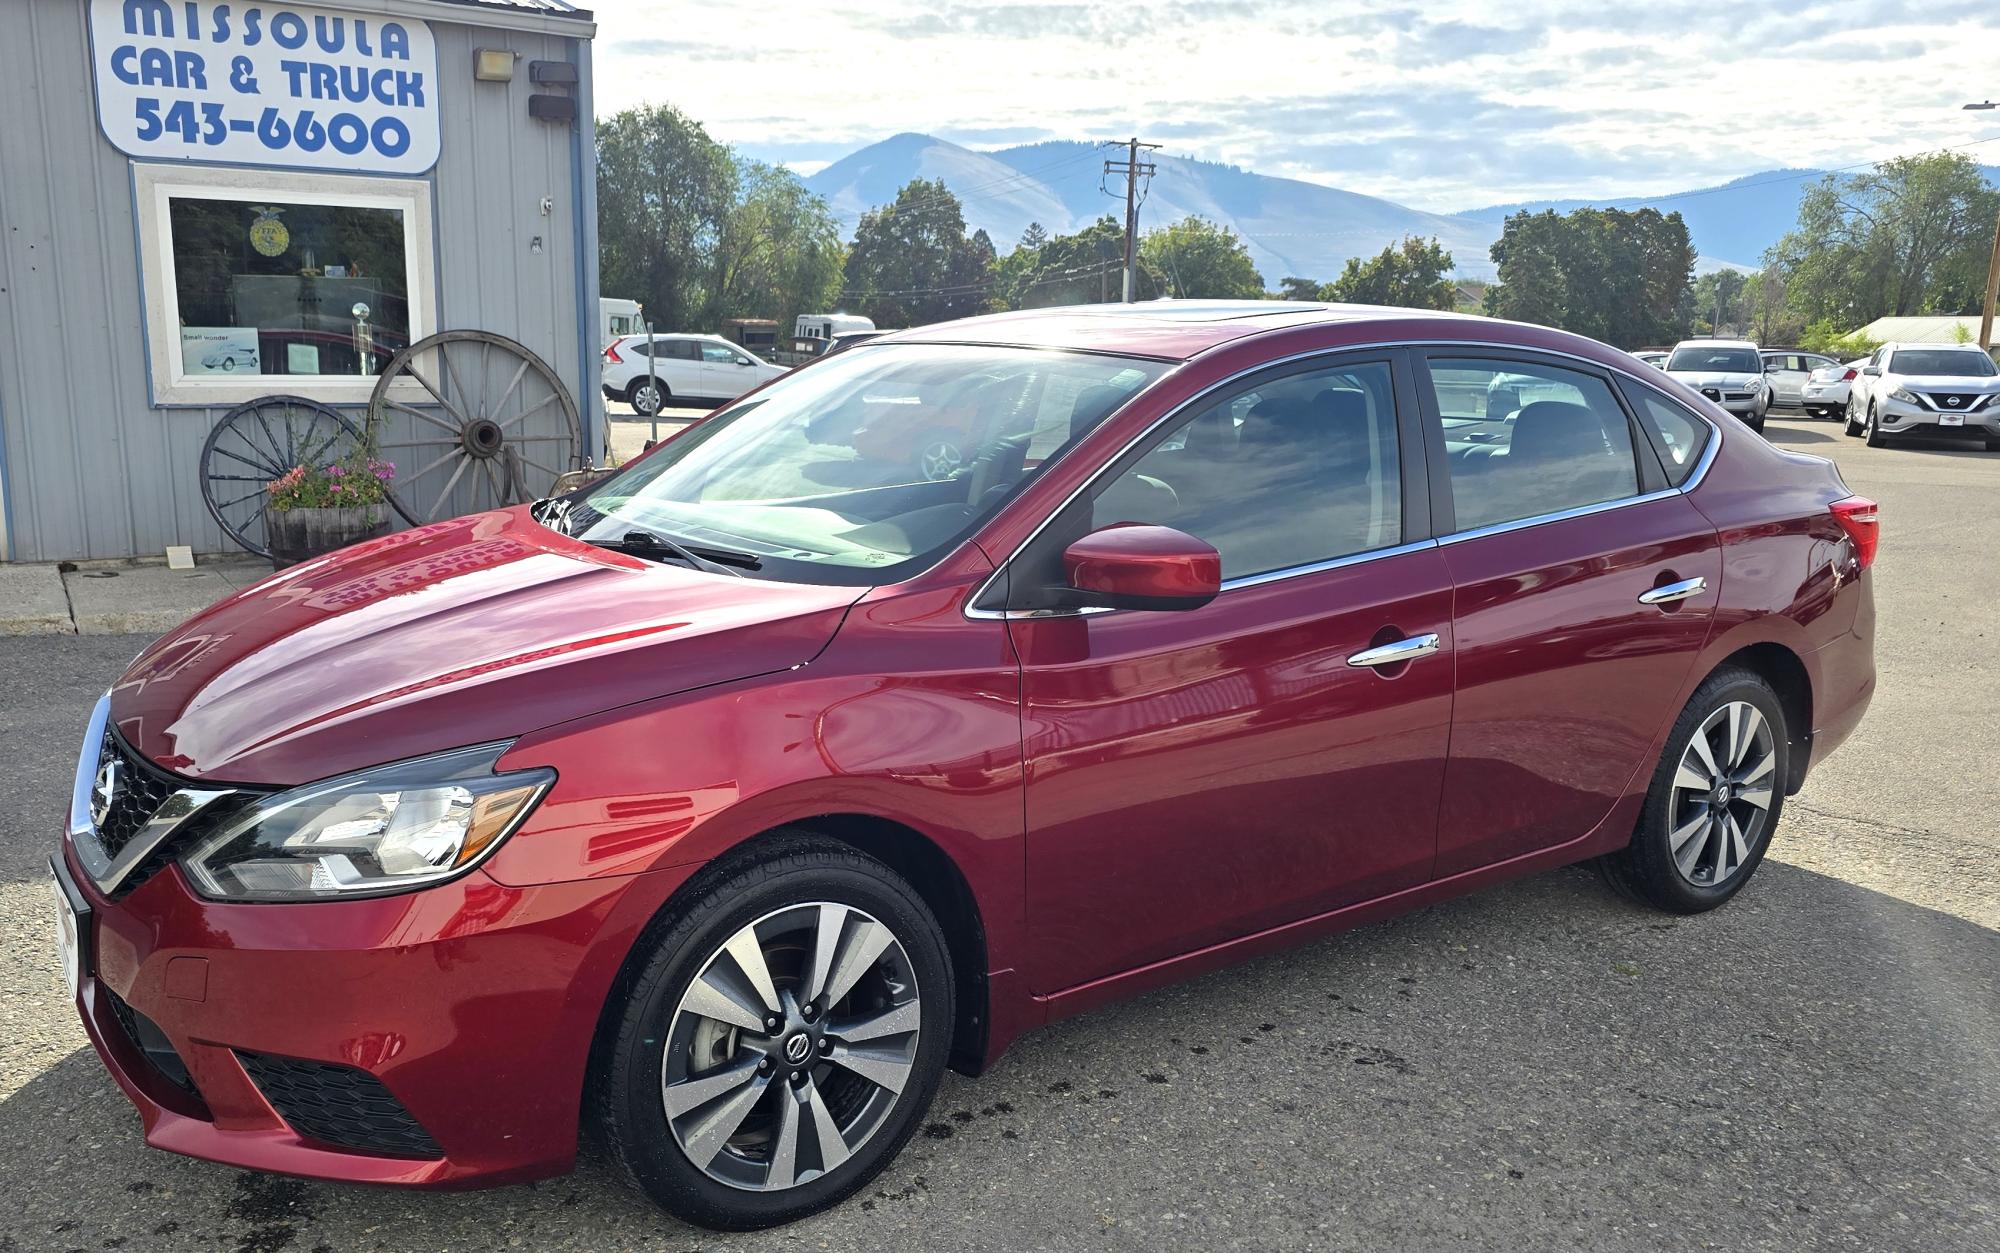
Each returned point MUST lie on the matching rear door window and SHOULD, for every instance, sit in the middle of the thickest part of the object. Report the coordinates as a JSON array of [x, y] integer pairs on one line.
[[1523, 439]]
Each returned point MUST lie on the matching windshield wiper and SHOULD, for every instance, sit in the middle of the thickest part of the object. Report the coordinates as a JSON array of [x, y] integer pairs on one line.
[[648, 544]]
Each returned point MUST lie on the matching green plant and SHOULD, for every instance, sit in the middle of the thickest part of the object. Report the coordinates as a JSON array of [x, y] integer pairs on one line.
[[355, 481]]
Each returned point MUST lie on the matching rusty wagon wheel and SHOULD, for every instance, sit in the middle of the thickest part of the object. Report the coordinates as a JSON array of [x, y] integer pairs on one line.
[[487, 424], [257, 442]]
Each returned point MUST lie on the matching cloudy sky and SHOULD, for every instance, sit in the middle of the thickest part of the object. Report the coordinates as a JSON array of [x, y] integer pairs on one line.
[[1443, 104]]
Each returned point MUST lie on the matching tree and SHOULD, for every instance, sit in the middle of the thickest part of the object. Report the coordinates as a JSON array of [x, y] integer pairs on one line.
[[1072, 269], [664, 189], [1625, 278], [1412, 275], [1291, 287], [1033, 238], [1202, 261], [1907, 237], [778, 254], [911, 262], [1717, 298]]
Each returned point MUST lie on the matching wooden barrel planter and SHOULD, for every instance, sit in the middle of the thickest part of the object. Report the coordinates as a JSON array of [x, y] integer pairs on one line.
[[296, 535]]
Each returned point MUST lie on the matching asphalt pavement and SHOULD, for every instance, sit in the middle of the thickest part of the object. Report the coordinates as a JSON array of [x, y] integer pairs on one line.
[[1539, 1066]]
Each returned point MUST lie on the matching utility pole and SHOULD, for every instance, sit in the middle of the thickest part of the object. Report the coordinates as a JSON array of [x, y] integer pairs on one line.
[[1132, 168], [1992, 293]]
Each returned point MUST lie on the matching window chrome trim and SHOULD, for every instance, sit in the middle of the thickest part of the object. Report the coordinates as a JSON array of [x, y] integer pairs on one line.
[[1319, 567], [1693, 480]]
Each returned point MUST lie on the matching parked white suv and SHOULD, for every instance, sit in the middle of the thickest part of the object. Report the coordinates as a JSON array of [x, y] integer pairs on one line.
[[1926, 389], [704, 369], [1729, 372]]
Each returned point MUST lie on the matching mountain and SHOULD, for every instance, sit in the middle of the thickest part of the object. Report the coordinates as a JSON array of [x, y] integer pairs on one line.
[[1290, 226]]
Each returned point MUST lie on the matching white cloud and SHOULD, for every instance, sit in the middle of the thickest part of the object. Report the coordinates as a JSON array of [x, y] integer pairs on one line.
[[1445, 104]]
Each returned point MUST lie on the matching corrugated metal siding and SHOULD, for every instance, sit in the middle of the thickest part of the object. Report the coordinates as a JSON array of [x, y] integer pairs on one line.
[[93, 470]]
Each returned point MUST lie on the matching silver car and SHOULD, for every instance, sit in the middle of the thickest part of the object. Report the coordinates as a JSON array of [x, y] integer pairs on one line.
[[1789, 371], [1727, 371], [1948, 390]]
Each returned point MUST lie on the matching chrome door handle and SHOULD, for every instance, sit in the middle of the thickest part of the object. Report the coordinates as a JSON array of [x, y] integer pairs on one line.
[[1395, 654], [1674, 591]]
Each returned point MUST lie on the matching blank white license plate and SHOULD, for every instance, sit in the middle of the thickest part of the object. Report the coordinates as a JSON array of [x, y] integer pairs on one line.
[[69, 943], [1951, 419]]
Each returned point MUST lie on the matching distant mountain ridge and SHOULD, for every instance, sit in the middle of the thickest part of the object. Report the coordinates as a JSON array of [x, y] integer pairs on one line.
[[1291, 227]]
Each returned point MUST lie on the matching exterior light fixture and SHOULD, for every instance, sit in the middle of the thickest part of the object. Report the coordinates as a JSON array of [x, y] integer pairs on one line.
[[493, 65]]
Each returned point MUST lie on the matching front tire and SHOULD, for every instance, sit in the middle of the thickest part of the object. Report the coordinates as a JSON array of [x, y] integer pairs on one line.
[[781, 1038], [1853, 423], [1874, 428], [1714, 801], [647, 397]]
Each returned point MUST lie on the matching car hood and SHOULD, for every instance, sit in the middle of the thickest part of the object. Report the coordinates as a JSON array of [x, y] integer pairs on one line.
[[464, 632]]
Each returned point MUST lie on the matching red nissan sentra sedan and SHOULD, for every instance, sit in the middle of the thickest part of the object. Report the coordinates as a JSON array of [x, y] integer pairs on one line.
[[725, 803]]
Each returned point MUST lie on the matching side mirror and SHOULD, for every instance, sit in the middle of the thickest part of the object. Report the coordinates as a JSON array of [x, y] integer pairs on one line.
[[742, 361], [1872, 371], [1140, 566]]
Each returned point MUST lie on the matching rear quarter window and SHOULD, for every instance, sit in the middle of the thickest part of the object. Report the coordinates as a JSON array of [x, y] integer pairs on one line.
[[1678, 435]]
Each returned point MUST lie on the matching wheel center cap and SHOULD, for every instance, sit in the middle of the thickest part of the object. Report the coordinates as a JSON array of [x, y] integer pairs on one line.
[[798, 1047]]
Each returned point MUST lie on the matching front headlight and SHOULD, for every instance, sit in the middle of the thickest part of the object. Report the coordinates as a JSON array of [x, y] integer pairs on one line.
[[1905, 395], [387, 829]]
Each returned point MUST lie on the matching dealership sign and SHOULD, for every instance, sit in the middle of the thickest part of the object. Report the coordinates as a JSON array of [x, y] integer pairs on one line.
[[260, 84]]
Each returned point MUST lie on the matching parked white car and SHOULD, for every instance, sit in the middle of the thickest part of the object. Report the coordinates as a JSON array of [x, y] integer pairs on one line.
[[1788, 370], [702, 369], [1926, 389], [1653, 357], [1825, 393], [1727, 371]]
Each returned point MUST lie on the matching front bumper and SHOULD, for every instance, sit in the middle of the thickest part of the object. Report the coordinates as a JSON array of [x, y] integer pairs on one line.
[[1900, 415], [469, 1006]]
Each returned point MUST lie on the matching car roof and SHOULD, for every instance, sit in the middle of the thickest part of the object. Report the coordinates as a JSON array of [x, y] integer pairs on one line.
[[1929, 345], [1705, 342], [1176, 330]]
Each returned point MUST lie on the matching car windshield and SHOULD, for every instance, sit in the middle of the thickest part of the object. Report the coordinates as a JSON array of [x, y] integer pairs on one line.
[[863, 468], [1706, 359], [1958, 363]]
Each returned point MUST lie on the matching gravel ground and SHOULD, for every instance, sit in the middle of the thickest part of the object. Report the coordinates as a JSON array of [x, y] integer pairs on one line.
[[1535, 1067]]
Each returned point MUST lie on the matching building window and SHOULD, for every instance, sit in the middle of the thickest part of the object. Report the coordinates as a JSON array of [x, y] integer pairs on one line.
[[259, 282]]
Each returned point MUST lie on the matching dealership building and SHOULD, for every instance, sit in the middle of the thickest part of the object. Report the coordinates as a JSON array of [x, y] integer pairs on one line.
[[206, 203]]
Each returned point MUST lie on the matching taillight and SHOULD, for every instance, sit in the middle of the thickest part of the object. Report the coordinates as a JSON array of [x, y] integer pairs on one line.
[[611, 353], [1849, 376], [1860, 518]]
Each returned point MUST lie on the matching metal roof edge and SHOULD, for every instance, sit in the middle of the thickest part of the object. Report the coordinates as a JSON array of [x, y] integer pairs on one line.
[[527, 15]]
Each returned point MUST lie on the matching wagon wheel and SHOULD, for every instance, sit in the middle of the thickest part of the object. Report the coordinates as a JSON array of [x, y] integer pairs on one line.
[[258, 442], [491, 426]]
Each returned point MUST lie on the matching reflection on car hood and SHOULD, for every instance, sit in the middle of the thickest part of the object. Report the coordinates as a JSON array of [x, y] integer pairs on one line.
[[464, 632], [1708, 378]]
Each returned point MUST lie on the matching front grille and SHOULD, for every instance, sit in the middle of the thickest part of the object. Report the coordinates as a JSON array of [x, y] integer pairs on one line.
[[142, 789], [338, 1105], [151, 1042], [1956, 402]]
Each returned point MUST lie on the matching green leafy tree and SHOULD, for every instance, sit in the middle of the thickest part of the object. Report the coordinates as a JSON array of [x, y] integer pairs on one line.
[[1906, 237], [778, 253], [1072, 269], [664, 191], [1718, 298], [1201, 260], [911, 262], [1625, 278], [1292, 287], [1411, 274]]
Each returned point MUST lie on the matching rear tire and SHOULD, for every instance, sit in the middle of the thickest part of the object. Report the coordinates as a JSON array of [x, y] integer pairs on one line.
[[1684, 857], [885, 978]]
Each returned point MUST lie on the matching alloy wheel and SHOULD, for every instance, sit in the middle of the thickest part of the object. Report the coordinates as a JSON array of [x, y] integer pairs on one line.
[[789, 1049], [1721, 803]]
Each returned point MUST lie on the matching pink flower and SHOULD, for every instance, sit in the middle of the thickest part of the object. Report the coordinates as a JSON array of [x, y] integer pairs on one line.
[[335, 471]]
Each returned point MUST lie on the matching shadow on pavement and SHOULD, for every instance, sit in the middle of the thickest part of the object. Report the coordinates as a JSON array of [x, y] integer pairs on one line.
[[1541, 1065]]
